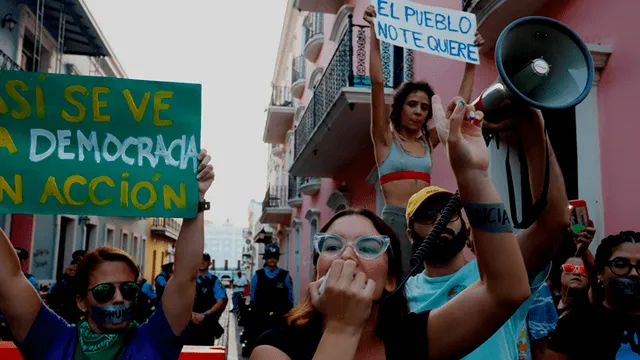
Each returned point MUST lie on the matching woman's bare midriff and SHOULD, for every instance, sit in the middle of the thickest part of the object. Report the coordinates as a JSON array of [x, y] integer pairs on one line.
[[399, 192]]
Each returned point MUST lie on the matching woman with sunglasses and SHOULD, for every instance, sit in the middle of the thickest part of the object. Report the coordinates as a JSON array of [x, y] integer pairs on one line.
[[608, 329], [574, 280], [349, 312], [107, 289]]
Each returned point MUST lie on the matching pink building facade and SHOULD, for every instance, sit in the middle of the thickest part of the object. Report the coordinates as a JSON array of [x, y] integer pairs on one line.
[[318, 119]]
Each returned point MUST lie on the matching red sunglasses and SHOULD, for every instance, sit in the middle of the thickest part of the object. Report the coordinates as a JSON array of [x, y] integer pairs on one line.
[[570, 268]]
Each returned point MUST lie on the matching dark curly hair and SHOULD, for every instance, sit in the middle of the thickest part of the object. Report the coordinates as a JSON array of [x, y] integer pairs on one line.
[[611, 242], [402, 93]]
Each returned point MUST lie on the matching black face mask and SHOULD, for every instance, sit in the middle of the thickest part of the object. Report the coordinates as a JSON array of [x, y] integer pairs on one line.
[[625, 288], [444, 248]]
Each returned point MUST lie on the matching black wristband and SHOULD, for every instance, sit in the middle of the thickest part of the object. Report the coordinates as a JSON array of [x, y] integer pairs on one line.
[[204, 206], [492, 218]]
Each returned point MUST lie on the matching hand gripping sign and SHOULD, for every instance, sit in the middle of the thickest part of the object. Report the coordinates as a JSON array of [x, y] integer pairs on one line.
[[433, 30]]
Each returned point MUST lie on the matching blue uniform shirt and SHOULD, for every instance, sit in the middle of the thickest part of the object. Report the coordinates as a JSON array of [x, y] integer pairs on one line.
[[270, 274], [147, 290], [218, 291]]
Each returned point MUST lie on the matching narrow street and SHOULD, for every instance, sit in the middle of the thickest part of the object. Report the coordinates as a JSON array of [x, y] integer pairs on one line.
[[231, 338]]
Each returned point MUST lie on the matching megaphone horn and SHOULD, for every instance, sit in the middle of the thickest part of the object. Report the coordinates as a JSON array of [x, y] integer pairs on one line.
[[541, 63]]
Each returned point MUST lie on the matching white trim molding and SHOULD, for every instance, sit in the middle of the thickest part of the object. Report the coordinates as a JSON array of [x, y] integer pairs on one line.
[[588, 143], [298, 114], [315, 77], [341, 22], [336, 199], [295, 222], [311, 214]]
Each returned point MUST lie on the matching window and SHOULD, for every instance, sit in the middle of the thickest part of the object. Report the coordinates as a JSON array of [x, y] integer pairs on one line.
[[109, 235], [66, 242], [90, 240], [134, 249], [28, 57], [125, 244]]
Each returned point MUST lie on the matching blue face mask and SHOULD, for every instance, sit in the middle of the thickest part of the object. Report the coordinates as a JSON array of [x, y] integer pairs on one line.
[[625, 287], [112, 314]]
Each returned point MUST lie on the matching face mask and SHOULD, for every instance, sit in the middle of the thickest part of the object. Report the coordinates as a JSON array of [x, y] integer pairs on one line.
[[625, 288], [444, 249], [112, 314]]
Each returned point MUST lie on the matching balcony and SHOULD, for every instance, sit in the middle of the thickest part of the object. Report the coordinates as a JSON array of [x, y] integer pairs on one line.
[[313, 35], [310, 186], [297, 76], [6, 63], [279, 115], [277, 150], [319, 6], [494, 15], [333, 131], [166, 227], [275, 209], [295, 199]]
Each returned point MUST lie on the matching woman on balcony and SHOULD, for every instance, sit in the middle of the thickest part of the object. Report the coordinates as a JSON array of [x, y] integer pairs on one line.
[[107, 288], [404, 151]]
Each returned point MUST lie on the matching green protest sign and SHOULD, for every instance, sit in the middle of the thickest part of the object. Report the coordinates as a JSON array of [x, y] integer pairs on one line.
[[88, 145]]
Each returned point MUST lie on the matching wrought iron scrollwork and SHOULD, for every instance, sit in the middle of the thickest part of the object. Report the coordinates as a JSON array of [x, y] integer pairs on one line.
[[6, 63], [313, 25], [347, 68], [297, 69]]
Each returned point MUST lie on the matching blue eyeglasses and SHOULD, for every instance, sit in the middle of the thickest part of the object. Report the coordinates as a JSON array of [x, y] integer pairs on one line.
[[368, 247]]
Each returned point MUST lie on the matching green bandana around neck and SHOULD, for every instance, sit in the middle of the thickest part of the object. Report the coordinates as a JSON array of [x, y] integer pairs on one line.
[[94, 346]]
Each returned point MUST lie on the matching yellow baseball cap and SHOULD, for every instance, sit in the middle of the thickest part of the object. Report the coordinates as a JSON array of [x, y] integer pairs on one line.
[[420, 197]]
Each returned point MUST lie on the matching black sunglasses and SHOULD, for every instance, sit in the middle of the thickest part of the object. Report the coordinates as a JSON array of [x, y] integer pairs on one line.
[[622, 266], [429, 217], [104, 292]]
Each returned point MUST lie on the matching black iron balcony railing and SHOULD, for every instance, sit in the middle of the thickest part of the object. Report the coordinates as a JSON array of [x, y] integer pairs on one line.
[[6, 63], [309, 179], [466, 4], [313, 25], [294, 187], [347, 68], [281, 96], [297, 69], [275, 197]]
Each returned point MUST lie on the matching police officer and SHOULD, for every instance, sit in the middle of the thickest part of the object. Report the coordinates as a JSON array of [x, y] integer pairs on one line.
[[162, 278], [62, 295], [271, 292], [211, 299]]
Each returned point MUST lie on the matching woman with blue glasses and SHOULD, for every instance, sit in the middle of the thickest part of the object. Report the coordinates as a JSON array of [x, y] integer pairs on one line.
[[351, 313]]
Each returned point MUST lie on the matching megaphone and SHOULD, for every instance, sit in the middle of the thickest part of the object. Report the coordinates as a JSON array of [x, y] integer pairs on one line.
[[541, 63]]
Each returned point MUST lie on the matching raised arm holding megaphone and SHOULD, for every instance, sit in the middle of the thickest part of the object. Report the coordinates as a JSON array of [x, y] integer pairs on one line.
[[542, 65]]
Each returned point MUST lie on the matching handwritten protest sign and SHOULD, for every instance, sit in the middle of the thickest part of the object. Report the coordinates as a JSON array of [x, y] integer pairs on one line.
[[98, 146], [433, 30]]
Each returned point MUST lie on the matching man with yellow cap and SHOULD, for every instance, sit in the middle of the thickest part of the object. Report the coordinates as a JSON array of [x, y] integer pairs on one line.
[[447, 272]]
